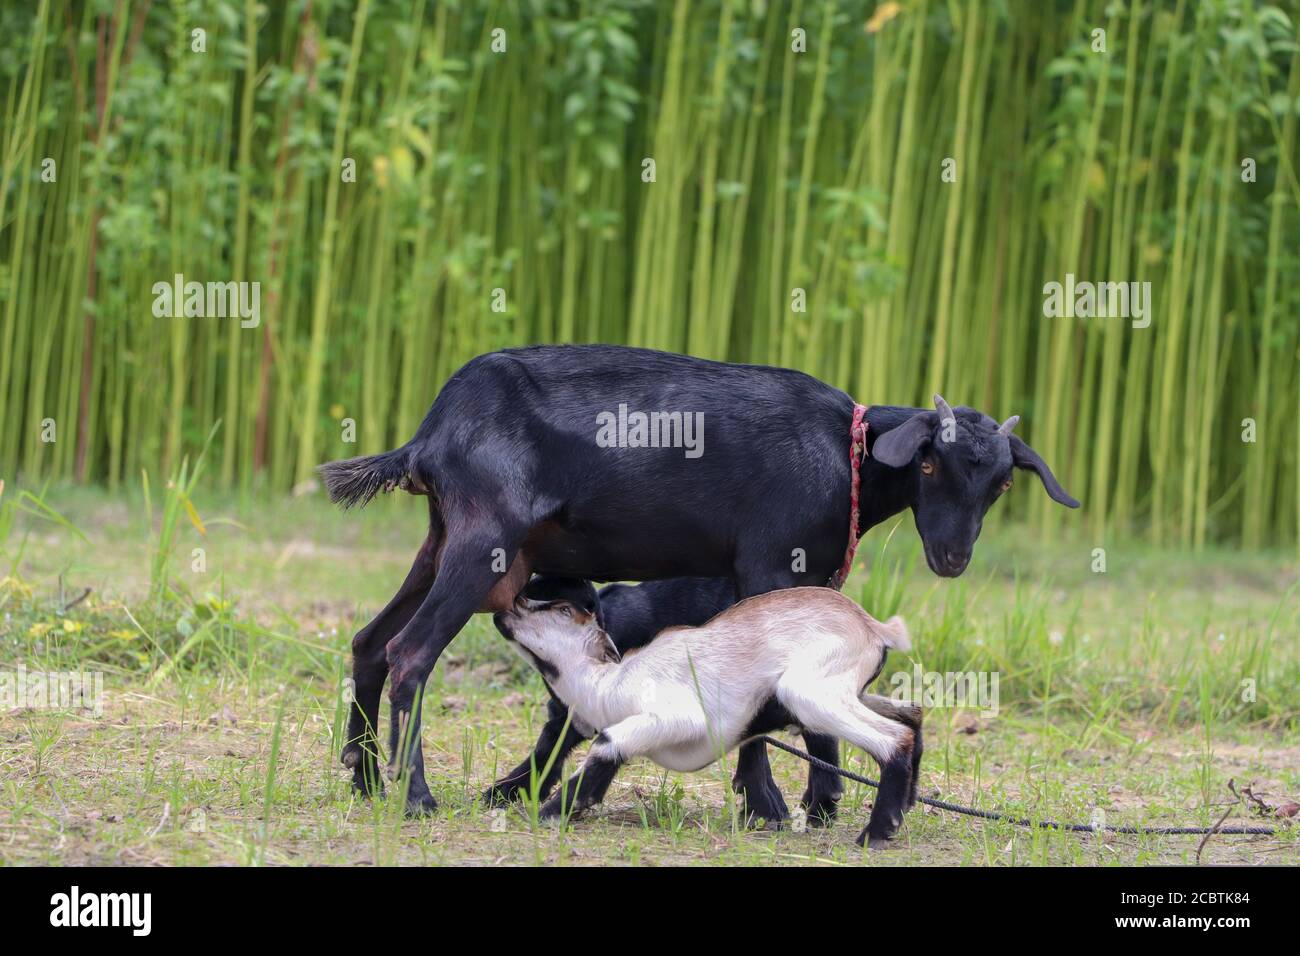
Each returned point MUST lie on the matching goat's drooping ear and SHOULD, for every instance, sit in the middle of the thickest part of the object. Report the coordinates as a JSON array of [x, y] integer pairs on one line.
[[898, 446], [1025, 457]]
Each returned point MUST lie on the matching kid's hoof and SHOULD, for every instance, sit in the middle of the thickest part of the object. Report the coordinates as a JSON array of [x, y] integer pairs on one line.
[[351, 756], [367, 785], [876, 842], [421, 806], [763, 802], [822, 809], [365, 772], [501, 794], [878, 837], [551, 810]]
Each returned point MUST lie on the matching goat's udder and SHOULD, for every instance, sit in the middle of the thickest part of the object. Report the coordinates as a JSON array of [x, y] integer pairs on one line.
[[503, 593]]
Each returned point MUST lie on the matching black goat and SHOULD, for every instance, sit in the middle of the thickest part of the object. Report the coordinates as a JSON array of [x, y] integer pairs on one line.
[[521, 477]]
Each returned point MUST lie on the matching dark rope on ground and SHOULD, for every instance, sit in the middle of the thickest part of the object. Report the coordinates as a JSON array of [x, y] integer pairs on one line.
[[1018, 821]]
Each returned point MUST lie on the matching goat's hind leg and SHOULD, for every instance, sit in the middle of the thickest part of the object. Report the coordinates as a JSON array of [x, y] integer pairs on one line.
[[370, 666], [464, 582], [911, 715], [753, 778], [824, 710]]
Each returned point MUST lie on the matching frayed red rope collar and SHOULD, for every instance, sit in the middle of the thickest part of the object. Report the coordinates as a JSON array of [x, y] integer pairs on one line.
[[857, 451]]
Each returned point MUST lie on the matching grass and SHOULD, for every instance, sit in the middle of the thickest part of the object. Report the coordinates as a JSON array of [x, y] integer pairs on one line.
[[225, 701]]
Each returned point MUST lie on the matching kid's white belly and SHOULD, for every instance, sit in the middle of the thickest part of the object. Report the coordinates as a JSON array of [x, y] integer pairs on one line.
[[686, 757]]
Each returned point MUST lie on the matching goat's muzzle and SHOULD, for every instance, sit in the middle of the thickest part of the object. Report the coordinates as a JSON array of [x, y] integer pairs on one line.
[[504, 621], [947, 562]]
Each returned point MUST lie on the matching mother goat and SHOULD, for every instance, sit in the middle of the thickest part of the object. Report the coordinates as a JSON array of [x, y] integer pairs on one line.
[[517, 460]]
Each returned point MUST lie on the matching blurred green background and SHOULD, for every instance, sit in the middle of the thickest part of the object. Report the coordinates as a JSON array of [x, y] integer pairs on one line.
[[796, 146]]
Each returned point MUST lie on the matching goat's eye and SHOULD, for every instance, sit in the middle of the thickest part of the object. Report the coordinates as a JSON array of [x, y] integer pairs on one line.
[[927, 468], [566, 610]]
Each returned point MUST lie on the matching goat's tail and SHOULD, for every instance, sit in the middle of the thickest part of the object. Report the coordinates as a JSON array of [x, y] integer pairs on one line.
[[894, 633], [355, 481]]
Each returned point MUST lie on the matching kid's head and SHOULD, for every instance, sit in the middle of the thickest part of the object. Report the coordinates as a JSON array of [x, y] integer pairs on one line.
[[557, 621]]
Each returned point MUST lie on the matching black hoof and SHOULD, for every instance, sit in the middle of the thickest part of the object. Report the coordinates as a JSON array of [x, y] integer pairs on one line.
[[502, 794], [420, 805], [350, 755], [879, 833], [763, 802], [874, 840], [368, 785], [821, 808], [552, 809], [366, 779]]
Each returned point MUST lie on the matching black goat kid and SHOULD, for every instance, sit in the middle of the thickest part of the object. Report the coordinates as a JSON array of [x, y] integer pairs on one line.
[[524, 474]]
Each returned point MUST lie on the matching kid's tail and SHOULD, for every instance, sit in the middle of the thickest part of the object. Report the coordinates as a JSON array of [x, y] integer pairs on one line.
[[356, 480], [894, 633]]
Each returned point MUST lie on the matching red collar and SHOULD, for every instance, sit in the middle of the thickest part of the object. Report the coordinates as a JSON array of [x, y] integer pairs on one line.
[[857, 451]]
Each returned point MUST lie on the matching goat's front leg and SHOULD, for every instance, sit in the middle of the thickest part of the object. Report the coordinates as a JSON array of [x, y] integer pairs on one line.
[[553, 744], [753, 777], [614, 746], [757, 788]]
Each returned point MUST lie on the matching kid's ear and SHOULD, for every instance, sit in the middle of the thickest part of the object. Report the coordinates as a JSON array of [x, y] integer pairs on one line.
[[608, 652]]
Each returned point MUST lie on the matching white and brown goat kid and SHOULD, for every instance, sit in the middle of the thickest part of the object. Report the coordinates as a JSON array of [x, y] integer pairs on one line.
[[799, 657]]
